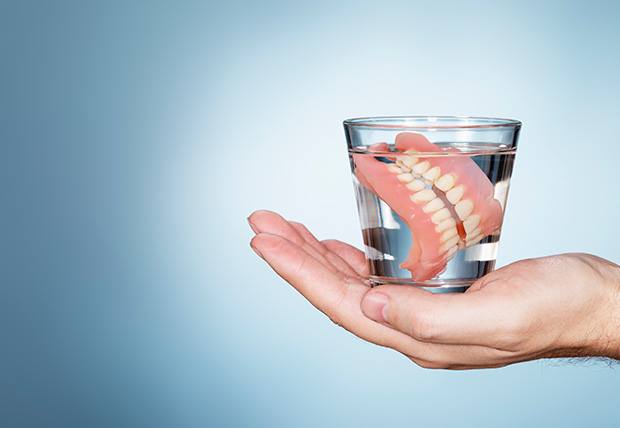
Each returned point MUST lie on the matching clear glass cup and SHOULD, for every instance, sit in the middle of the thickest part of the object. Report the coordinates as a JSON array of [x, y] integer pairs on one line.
[[431, 194]]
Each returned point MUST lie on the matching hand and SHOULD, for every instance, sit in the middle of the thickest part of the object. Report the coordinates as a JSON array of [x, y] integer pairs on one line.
[[560, 306]]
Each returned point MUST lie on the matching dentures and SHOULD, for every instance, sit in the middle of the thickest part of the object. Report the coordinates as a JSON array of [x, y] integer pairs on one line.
[[446, 201]]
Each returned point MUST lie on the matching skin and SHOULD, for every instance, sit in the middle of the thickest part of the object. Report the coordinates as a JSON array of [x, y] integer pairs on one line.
[[566, 305]]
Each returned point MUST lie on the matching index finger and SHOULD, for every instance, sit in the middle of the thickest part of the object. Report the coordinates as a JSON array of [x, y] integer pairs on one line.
[[337, 297]]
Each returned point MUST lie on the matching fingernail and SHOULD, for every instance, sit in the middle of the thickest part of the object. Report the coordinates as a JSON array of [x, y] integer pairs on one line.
[[374, 306], [257, 252], [252, 226]]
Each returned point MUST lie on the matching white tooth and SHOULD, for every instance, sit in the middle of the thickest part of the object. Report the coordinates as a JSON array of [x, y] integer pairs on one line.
[[408, 160], [434, 205], [416, 185], [405, 178], [455, 195], [451, 252], [394, 168], [445, 182], [448, 244], [464, 208], [473, 233], [473, 240], [425, 195], [421, 168], [448, 234], [432, 174], [440, 215], [445, 224], [402, 166], [471, 223]]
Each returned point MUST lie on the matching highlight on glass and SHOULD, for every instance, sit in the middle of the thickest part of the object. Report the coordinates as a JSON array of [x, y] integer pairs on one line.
[[431, 194]]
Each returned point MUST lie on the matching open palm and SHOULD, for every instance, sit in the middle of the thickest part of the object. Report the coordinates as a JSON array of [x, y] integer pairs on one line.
[[565, 305]]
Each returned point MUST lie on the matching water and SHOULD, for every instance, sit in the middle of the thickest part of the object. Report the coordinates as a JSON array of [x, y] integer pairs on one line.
[[388, 238]]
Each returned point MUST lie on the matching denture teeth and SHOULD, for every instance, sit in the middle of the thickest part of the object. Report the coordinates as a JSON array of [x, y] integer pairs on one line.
[[421, 168], [416, 185], [445, 224], [440, 215], [445, 182], [434, 205], [405, 178], [409, 160], [471, 223], [405, 163], [464, 208], [402, 166], [474, 240], [394, 169], [432, 174], [425, 195], [454, 195], [449, 244], [473, 233], [451, 232]]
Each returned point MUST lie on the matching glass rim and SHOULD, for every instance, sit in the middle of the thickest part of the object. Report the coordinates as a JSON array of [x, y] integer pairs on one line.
[[462, 152], [431, 123]]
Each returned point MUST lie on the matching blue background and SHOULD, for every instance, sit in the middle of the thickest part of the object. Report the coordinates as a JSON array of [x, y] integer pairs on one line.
[[137, 137]]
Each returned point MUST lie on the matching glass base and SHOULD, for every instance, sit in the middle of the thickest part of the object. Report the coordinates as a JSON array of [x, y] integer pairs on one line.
[[434, 286]]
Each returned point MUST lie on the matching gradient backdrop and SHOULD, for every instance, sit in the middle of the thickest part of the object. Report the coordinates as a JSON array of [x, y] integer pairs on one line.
[[138, 136]]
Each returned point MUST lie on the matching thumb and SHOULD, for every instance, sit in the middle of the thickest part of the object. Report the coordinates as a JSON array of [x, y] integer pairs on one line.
[[468, 319]]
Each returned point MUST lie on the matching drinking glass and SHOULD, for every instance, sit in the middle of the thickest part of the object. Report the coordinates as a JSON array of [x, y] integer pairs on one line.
[[431, 194]]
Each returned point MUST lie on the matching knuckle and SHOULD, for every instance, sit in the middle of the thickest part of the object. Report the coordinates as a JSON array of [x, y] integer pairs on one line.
[[512, 342], [299, 226], [301, 265], [328, 242], [335, 311], [423, 326], [334, 318], [517, 333], [520, 325]]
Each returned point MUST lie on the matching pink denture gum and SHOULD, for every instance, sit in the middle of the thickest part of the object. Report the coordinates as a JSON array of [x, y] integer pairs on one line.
[[446, 201]]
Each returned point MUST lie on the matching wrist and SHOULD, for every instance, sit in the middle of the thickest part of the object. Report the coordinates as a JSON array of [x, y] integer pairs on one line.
[[609, 339]]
